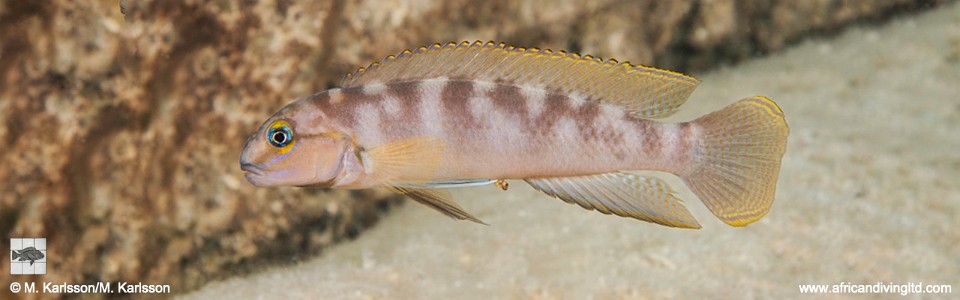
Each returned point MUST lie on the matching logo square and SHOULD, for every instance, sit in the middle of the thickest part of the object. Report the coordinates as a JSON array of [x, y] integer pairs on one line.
[[28, 256]]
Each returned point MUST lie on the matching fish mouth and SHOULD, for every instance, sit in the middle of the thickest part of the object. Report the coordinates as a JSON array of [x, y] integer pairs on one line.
[[251, 170]]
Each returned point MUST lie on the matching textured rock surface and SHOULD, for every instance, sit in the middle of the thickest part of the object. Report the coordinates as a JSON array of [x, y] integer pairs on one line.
[[121, 140], [120, 132]]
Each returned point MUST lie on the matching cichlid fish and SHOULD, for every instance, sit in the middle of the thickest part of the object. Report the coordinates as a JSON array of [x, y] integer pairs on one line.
[[28, 253], [573, 126]]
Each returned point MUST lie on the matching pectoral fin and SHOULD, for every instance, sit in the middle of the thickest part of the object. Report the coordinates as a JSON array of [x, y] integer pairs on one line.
[[410, 161], [623, 194], [439, 200]]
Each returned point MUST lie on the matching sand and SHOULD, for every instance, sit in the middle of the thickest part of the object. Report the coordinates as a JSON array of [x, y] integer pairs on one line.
[[869, 191]]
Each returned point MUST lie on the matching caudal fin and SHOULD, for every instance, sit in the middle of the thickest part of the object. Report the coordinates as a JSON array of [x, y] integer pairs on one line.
[[737, 159]]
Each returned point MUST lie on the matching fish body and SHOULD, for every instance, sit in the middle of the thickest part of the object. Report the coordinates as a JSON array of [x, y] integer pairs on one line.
[[500, 131], [574, 127], [29, 253]]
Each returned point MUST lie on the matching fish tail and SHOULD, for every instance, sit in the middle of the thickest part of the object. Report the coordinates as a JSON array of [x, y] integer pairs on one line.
[[737, 159], [15, 254]]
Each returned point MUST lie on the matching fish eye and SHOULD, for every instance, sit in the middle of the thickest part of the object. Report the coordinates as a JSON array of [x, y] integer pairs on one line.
[[280, 136]]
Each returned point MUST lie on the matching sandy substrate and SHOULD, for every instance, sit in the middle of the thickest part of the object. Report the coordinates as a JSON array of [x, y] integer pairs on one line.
[[869, 191]]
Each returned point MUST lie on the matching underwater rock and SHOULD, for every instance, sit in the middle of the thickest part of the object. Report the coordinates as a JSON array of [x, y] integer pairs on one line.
[[121, 139], [121, 132]]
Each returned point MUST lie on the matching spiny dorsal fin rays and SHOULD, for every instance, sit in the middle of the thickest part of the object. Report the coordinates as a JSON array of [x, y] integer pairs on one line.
[[644, 91]]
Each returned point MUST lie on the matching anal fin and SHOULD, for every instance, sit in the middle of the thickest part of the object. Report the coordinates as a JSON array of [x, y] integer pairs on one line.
[[623, 194], [439, 200]]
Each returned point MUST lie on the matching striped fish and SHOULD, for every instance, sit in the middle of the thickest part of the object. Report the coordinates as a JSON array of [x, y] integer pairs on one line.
[[574, 127]]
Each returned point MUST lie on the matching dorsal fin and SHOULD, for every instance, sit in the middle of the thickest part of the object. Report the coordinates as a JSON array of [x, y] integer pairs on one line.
[[644, 91]]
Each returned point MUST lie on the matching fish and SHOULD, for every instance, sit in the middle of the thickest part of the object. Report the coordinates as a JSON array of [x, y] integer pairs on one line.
[[575, 127], [28, 253]]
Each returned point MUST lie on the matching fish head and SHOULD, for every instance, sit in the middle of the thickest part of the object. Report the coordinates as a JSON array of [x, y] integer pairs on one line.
[[294, 148]]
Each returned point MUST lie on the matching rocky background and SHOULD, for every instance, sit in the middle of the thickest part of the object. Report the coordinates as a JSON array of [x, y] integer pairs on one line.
[[122, 122]]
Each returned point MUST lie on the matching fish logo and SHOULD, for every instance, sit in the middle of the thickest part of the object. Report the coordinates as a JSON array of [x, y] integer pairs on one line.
[[28, 253]]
